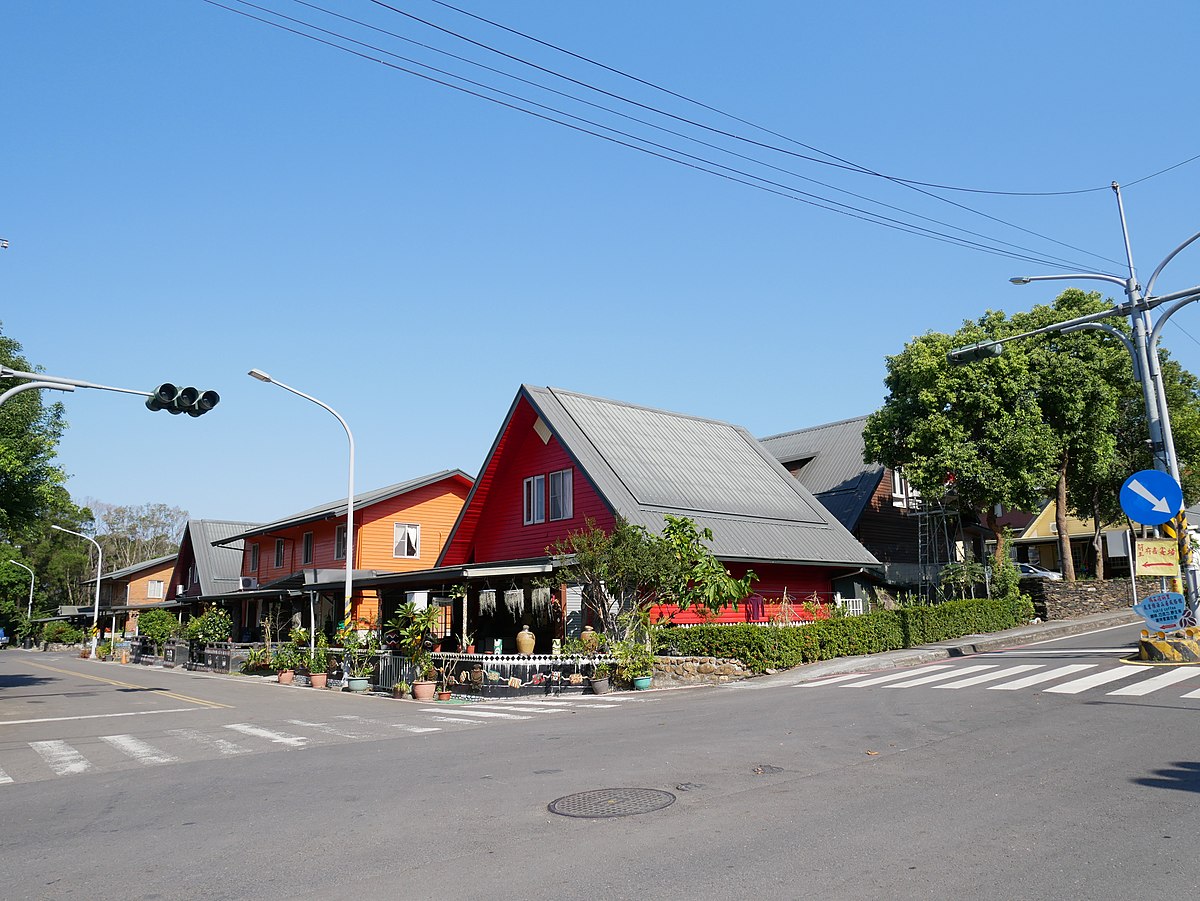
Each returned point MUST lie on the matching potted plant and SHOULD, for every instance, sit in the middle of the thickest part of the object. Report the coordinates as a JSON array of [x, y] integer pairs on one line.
[[284, 662], [599, 680], [415, 629], [468, 646], [359, 655], [317, 662], [400, 690], [635, 663]]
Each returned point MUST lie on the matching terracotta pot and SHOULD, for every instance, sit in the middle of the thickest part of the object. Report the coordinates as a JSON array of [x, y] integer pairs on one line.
[[286, 676], [422, 690], [318, 679], [443, 695], [525, 641], [470, 649]]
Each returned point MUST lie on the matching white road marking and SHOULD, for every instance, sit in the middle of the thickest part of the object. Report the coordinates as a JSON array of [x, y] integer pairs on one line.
[[94, 716], [61, 757], [481, 713], [282, 738], [939, 677], [224, 746], [893, 677], [1059, 652], [526, 709], [141, 751], [817, 683], [1154, 683], [1093, 632], [1075, 686], [992, 677], [1038, 678], [451, 719], [567, 705], [5, 778], [330, 730], [403, 727]]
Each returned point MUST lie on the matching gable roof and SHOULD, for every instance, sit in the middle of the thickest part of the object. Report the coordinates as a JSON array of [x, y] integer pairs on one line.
[[334, 509], [135, 568], [217, 568], [645, 463], [832, 467]]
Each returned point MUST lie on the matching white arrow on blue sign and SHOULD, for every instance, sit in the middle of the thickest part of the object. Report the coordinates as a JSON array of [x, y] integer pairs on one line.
[[1151, 497]]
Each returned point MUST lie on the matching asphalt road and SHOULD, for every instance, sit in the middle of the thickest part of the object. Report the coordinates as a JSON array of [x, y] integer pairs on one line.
[[997, 776]]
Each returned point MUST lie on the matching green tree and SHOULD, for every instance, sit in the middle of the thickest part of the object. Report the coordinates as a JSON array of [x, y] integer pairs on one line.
[[158, 626], [699, 579], [29, 435], [135, 533]]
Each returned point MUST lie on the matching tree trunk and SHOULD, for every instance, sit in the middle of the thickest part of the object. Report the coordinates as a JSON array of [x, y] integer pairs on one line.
[[1001, 550], [1066, 561]]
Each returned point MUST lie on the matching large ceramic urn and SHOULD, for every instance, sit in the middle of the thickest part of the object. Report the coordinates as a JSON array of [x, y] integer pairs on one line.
[[525, 641]]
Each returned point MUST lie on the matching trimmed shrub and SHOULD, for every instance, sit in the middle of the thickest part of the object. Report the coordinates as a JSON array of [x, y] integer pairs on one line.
[[779, 647], [157, 625], [59, 632]]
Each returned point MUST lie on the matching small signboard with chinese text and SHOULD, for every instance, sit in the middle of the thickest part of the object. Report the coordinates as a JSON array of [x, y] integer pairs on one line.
[[1157, 557], [1162, 611]]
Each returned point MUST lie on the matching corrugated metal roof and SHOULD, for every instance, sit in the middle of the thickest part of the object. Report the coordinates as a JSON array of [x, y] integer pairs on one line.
[[137, 567], [828, 461], [217, 568], [647, 463], [337, 508]]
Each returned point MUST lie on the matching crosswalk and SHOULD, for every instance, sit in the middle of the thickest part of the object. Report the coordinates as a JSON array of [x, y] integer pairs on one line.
[[37, 760], [1064, 679]]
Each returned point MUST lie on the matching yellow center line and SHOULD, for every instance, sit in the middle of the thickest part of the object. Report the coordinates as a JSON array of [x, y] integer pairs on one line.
[[166, 694]]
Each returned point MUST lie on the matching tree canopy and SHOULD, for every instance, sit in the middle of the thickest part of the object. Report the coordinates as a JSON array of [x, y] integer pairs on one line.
[[136, 533]]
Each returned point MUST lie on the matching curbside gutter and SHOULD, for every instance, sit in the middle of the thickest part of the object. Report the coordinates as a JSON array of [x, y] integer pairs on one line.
[[929, 653]]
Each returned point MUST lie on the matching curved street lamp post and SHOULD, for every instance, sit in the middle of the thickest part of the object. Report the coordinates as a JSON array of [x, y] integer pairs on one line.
[[99, 570]]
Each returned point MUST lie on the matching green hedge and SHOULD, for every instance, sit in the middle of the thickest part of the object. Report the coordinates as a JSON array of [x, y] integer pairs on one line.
[[765, 647]]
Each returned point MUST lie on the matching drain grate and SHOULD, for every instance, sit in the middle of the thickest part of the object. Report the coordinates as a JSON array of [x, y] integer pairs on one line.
[[612, 802]]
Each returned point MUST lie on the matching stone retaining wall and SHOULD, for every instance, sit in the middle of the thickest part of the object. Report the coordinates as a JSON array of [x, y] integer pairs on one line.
[[697, 671], [1066, 600]]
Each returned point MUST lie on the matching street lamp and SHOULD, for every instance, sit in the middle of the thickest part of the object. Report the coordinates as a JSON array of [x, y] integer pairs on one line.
[[263, 377], [99, 570], [29, 615]]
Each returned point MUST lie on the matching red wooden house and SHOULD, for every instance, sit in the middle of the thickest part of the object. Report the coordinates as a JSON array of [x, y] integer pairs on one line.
[[561, 459]]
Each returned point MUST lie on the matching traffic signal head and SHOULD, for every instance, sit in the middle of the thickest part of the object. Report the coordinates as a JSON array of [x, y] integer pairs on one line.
[[972, 353], [182, 400]]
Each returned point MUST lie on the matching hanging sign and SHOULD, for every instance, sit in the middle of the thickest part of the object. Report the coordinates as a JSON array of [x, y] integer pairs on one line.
[[1162, 611], [1157, 557]]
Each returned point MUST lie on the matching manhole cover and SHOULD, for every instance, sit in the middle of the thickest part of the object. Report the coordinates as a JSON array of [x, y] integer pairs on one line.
[[612, 802]]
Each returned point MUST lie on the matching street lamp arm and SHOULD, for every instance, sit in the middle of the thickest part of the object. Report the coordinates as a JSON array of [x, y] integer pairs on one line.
[[99, 573], [1156, 332], [1108, 330], [32, 579], [1161, 266], [6, 373], [29, 386], [1096, 276]]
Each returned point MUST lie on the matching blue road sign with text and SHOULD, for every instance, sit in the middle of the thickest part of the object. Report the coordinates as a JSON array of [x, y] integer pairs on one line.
[[1151, 497]]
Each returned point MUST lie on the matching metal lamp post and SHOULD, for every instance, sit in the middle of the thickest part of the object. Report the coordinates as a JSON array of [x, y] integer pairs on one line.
[[99, 570], [29, 615], [263, 377]]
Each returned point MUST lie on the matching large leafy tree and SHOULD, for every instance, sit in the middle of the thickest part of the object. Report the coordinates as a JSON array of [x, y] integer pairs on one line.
[[29, 434], [135, 533]]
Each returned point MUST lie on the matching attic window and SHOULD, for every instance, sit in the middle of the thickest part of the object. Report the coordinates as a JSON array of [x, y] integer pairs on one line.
[[542, 430], [407, 540], [535, 500], [254, 557], [562, 505]]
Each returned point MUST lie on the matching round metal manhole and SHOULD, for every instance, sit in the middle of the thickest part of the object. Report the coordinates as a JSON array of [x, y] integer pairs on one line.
[[612, 802]]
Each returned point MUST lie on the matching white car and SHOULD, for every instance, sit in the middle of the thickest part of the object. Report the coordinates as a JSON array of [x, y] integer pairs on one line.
[[1029, 571]]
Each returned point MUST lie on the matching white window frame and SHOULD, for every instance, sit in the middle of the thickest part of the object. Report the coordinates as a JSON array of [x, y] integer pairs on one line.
[[279, 557], [339, 542], [410, 534], [254, 557], [155, 594], [562, 494], [306, 549], [535, 500]]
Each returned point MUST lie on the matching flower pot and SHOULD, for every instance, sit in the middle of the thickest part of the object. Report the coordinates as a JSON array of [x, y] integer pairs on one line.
[[318, 680], [286, 676], [422, 690], [470, 649], [599, 686], [641, 683], [443, 695], [358, 683]]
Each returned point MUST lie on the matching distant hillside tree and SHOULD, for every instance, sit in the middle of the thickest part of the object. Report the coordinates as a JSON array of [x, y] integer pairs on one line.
[[133, 534]]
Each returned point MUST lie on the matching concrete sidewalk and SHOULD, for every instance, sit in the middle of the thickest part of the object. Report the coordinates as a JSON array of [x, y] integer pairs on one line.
[[958, 647]]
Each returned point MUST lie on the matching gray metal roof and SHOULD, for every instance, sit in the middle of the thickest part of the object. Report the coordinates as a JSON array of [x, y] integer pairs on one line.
[[647, 463], [217, 568], [137, 567], [333, 509], [828, 461]]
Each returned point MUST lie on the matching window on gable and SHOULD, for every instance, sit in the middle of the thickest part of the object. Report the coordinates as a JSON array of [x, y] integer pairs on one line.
[[407, 539], [154, 589], [254, 558], [535, 500], [339, 542], [307, 548], [562, 504], [278, 553]]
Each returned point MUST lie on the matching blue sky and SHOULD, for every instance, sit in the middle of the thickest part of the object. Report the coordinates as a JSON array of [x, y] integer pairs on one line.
[[188, 194]]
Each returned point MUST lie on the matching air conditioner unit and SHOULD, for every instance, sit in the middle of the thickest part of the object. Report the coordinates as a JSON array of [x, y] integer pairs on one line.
[[179, 589], [247, 583]]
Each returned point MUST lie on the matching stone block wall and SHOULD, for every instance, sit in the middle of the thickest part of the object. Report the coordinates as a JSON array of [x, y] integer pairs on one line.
[[1067, 600], [697, 671]]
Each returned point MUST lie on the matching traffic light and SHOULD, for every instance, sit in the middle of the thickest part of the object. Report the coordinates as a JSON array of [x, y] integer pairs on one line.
[[182, 400], [973, 353]]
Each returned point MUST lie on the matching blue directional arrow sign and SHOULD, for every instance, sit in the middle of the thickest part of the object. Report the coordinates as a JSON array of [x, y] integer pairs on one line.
[[1151, 497]]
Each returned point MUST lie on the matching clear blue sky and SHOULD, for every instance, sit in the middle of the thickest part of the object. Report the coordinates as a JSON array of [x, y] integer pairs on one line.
[[189, 193]]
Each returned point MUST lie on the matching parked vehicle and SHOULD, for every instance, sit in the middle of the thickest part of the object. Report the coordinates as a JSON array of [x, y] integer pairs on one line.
[[1029, 571]]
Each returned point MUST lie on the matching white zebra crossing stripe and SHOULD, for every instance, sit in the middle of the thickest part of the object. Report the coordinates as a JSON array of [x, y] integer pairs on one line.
[[329, 730], [992, 677], [893, 677], [830, 681], [142, 752], [520, 709], [5, 778], [940, 677], [1075, 686], [1162, 680], [1039, 678], [481, 713], [225, 747], [61, 757], [455, 719], [282, 738]]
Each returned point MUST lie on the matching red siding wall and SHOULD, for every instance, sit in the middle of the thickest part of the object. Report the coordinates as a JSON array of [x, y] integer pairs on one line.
[[501, 533], [801, 582]]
